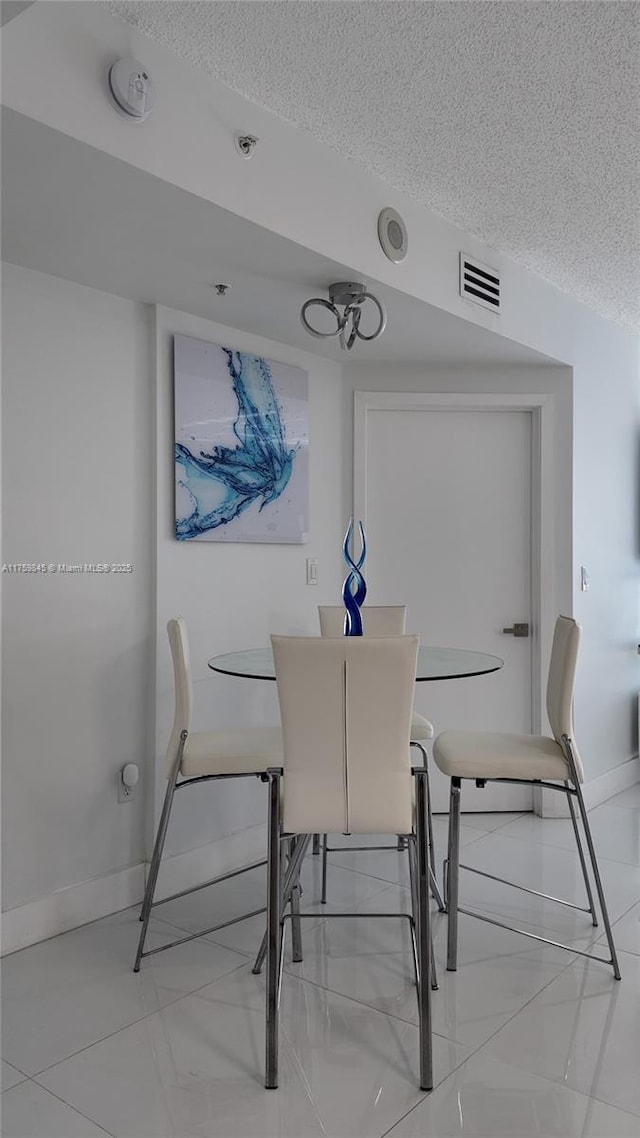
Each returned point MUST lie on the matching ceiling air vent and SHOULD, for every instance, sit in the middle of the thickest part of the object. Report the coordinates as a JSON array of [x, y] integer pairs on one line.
[[479, 283]]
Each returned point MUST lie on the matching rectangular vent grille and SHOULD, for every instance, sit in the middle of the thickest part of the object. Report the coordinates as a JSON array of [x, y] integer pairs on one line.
[[479, 283]]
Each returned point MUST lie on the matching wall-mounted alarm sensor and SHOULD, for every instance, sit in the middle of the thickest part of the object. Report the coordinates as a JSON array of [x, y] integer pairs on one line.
[[392, 235], [133, 89]]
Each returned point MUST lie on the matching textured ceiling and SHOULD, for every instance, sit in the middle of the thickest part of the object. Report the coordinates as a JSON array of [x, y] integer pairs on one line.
[[519, 121]]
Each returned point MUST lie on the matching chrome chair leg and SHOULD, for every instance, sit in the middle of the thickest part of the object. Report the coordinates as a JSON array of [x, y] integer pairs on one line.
[[323, 897], [435, 888], [274, 932], [592, 855], [576, 831], [291, 878], [453, 875], [296, 935], [435, 891], [411, 852], [424, 936], [154, 868], [413, 875]]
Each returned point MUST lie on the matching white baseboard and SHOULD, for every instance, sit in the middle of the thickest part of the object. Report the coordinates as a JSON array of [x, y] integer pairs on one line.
[[89, 900], [596, 790], [599, 789], [70, 907]]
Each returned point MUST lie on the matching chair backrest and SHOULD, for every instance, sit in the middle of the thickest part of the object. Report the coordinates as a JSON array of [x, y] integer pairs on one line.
[[179, 643], [345, 706], [377, 620], [562, 671]]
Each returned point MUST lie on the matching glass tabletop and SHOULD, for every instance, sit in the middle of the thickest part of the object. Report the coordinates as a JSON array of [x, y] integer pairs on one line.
[[433, 663]]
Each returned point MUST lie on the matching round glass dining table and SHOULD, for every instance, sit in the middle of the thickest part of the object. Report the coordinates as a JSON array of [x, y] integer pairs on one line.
[[433, 664]]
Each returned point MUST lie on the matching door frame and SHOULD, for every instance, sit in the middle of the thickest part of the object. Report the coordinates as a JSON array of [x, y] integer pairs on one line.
[[544, 571]]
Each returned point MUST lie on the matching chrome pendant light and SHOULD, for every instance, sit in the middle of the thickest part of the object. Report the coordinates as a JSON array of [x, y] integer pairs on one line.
[[350, 296]]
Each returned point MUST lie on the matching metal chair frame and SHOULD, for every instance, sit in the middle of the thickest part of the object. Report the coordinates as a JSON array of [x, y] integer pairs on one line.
[[452, 866], [400, 845], [291, 889], [149, 903], [419, 919]]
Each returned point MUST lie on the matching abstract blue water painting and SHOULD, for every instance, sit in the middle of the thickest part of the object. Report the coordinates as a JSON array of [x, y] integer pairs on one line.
[[241, 447]]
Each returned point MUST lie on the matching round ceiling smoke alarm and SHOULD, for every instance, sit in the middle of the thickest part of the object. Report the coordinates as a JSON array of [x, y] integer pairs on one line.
[[132, 88], [392, 234]]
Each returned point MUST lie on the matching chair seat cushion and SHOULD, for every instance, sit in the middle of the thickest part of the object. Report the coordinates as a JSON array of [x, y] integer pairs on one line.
[[421, 728], [232, 752], [481, 754]]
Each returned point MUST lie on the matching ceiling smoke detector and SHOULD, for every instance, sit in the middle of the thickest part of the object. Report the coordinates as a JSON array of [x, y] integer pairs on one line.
[[132, 89]]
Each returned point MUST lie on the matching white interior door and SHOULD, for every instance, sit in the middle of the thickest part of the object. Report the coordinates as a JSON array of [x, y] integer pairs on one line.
[[446, 500]]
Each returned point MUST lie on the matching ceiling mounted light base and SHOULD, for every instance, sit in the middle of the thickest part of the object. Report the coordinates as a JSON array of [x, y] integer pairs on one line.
[[351, 295], [346, 292]]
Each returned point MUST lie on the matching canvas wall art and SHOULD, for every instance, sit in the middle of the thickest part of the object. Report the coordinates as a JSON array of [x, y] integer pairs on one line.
[[241, 446]]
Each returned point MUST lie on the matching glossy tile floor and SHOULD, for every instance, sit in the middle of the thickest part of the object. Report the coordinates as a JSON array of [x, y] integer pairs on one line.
[[529, 1040]]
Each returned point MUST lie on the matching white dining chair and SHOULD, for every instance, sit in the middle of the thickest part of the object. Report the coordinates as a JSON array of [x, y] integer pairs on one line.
[[345, 707], [381, 620], [192, 759], [551, 761], [377, 620]]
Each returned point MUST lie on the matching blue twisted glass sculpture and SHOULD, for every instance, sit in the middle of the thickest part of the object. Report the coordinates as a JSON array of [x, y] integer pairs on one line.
[[354, 589]]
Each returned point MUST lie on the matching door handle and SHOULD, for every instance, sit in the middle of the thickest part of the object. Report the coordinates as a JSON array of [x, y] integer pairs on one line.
[[518, 630]]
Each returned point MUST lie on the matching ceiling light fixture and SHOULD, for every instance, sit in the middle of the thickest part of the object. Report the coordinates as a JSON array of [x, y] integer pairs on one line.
[[351, 295]]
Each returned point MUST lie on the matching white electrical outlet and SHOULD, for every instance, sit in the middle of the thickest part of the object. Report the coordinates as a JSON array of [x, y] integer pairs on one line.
[[125, 793], [312, 571]]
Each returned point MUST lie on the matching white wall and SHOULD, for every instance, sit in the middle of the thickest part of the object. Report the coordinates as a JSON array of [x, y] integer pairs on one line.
[[606, 539], [77, 450], [234, 595]]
